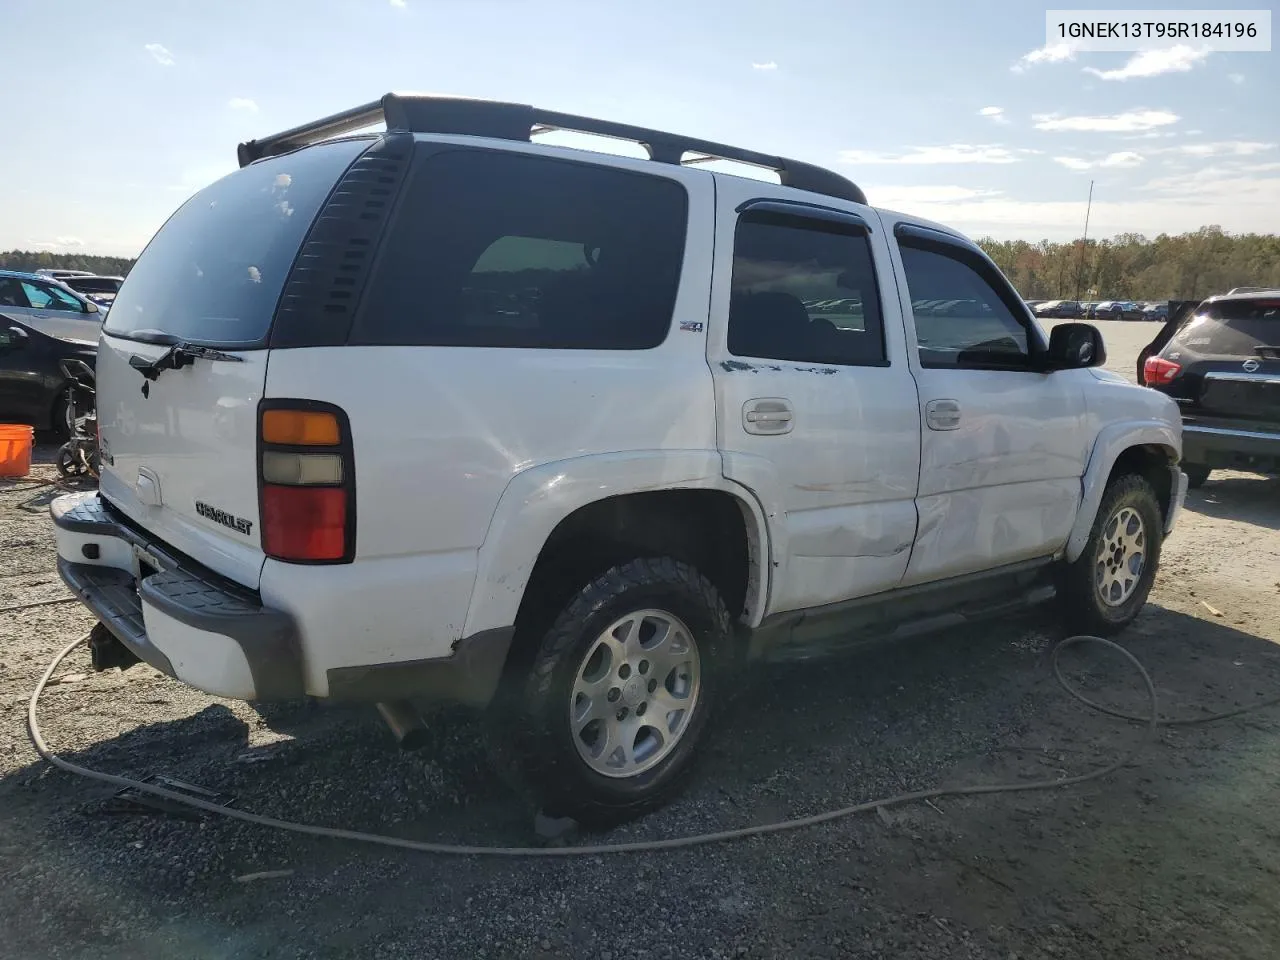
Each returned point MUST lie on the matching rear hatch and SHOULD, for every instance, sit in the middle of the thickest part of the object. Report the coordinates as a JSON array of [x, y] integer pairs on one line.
[[1228, 357], [183, 357]]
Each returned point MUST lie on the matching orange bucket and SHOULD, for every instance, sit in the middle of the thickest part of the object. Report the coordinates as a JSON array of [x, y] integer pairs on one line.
[[15, 449]]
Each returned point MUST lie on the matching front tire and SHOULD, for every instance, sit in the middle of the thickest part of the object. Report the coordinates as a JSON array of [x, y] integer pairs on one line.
[[606, 723], [1108, 584]]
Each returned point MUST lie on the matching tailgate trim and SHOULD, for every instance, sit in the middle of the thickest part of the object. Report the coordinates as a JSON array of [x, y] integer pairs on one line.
[[1268, 378]]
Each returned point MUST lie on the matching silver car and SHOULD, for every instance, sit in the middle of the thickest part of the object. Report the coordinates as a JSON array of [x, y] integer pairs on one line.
[[48, 306]]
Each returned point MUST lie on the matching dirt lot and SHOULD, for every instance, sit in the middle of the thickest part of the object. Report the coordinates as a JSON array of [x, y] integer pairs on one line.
[[1177, 855]]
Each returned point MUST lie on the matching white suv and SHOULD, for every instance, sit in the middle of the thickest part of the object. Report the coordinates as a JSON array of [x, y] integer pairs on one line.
[[442, 412]]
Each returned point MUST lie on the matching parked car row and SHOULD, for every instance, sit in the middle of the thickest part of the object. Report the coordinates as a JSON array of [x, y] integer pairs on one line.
[[1100, 309], [101, 290], [42, 322]]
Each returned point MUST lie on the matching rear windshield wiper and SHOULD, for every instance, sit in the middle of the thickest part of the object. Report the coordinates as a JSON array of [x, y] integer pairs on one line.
[[180, 354]]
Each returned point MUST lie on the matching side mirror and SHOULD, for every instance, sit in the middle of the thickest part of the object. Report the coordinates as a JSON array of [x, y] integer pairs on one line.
[[90, 307], [1073, 346]]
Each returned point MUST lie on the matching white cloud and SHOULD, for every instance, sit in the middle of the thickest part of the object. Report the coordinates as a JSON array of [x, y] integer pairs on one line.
[[160, 54], [769, 65], [1124, 158], [1229, 148], [243, 103], [952, 153], [995, 114], [1152, 63], [1236, 78], [57, 243], [1050, 53], [1115, 123], [401, 4]]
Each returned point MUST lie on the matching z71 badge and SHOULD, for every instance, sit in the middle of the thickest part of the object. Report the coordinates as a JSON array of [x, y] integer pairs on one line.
[[237, 524]]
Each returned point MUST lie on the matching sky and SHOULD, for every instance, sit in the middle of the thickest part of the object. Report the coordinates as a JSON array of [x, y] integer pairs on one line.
[[961, 113]]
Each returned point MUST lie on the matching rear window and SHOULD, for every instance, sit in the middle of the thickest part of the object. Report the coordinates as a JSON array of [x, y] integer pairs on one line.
[[214, 271], [505, 250], [1232, 328]]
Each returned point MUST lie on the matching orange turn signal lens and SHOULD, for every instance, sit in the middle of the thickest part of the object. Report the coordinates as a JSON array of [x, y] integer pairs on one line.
[[300, 428]]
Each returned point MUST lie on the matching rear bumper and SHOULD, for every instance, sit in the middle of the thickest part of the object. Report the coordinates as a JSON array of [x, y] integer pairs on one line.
[[1230, 448], [219, 637], [174, 614]]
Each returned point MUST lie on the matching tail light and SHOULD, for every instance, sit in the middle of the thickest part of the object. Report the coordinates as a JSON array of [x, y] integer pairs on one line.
[[1158, 371], [306, 479]]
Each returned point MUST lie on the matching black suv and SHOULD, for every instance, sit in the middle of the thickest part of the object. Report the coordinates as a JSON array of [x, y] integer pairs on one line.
[[1222, 365]]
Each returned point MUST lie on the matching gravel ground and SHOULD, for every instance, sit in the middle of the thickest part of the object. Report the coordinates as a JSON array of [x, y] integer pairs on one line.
[[1176, 855]]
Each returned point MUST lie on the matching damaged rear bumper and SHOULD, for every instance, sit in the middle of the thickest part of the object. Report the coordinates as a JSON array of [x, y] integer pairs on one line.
[[171, 612]]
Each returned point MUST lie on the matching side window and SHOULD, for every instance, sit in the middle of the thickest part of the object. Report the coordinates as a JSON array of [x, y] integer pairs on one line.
[[12, 294], [804, 290], [961, 321], [502, 250], [43, 297]]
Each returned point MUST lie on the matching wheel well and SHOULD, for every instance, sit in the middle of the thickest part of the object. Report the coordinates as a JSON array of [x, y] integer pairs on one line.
[[1152, 463], [705, 528]]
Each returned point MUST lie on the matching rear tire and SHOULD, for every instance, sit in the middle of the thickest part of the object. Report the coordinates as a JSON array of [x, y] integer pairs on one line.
[[1197, 474], [1107, 585], [606, 722]]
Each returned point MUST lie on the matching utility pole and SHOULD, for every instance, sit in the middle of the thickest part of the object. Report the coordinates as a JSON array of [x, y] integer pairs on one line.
[[1084, 242]]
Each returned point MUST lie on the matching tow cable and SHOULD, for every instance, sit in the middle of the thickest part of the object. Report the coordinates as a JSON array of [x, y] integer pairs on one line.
[[1152, 720]]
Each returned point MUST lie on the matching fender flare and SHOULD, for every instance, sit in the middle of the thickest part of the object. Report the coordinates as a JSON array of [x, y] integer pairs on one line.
[[1112, 441], [536, 500]]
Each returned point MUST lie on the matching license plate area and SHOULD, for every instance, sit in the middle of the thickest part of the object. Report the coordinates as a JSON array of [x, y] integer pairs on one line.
[[1255, 399]]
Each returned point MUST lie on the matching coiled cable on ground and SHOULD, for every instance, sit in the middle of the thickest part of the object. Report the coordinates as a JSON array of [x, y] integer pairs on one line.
[[1152, 720]]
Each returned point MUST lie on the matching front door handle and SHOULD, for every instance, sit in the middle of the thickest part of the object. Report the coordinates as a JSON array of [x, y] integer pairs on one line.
[[767, 415], [942, 414]]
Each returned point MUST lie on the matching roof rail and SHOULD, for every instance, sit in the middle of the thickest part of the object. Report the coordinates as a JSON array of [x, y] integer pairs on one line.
[[517, 121]]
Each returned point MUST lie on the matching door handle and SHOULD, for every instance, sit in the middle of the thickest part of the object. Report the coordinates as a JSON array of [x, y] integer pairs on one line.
[[942, 414], [767, 415]]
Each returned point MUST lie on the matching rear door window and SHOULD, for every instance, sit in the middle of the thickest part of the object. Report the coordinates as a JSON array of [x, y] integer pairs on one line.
[[214, 272], [495, 249], [804, 290]]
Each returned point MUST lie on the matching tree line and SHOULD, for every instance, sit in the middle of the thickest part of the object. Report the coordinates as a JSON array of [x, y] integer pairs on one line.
[[1132, 267], [1126, 267], [32, 260]]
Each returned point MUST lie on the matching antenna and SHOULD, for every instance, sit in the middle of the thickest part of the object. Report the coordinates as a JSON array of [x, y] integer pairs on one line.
[[1084, 242]]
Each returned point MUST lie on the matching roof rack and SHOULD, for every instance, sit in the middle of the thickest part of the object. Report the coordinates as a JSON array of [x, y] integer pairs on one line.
[[517, 121]]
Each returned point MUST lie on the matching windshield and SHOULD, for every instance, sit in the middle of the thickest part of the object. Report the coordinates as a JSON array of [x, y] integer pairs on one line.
[[215, 270]]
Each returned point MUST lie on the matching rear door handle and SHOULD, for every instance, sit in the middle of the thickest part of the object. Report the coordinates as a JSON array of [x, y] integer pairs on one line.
[[942, 414], [767, 415]]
